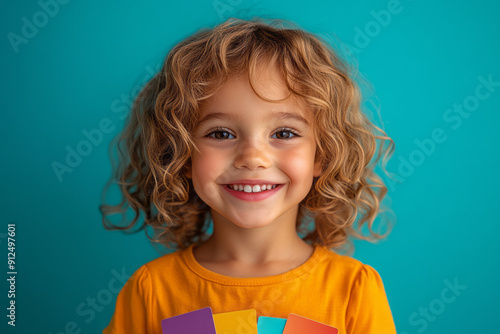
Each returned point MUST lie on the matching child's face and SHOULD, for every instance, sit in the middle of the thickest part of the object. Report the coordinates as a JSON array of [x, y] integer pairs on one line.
[[250, 143]]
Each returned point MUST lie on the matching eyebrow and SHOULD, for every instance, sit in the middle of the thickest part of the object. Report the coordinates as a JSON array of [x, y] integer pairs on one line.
[[280, 115]]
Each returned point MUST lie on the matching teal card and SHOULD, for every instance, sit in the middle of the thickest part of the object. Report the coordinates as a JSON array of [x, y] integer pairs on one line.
[[270, 325]]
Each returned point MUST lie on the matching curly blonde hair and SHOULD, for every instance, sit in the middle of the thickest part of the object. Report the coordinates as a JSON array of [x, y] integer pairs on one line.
[[156, 144]]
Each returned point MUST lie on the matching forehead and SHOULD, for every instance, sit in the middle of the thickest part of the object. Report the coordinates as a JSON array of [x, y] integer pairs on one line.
[[247, 93]]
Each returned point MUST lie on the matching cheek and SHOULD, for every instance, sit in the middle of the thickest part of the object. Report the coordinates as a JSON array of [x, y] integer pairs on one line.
[[203, 166], [298, 164], [207, 168]]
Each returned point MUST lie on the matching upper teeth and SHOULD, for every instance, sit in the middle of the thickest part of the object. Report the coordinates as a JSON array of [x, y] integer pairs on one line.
[[249, 189]]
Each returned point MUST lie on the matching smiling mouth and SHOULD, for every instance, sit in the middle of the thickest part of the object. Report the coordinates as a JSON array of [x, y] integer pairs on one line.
[[251, 188]]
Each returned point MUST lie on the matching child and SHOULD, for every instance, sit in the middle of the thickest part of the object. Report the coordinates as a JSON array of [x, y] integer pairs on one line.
[[255, 128]]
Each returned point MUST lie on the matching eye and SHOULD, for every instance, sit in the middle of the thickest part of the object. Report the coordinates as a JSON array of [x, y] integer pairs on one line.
[[286, 134], [282, 133], [219, 134]]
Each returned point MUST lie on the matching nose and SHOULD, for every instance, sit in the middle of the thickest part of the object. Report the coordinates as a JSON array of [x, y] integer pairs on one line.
[[252, 156]]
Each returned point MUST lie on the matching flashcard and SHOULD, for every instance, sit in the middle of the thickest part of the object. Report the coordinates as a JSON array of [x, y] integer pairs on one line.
[[296, 324], [237, 322], [270, 325], [196, 322]]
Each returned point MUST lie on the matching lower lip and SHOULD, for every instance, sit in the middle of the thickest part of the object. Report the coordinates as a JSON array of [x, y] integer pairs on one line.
[[253, 196]]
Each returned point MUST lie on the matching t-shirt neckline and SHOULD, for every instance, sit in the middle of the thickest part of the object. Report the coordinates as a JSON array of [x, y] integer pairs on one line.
[[207, 274]]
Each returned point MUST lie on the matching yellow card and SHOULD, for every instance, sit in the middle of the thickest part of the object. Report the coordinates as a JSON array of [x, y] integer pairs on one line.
[[237, 322]]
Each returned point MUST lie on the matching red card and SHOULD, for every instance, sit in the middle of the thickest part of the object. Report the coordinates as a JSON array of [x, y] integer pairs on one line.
[[296, 324]]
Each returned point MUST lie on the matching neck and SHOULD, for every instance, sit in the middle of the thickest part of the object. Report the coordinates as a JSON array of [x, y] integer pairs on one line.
[[275, 242]]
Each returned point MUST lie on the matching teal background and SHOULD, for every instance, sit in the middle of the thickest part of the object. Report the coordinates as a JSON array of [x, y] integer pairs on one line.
[[78, 71]]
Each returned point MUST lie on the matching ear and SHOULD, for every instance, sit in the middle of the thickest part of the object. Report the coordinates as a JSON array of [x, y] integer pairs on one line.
[[317, 169]]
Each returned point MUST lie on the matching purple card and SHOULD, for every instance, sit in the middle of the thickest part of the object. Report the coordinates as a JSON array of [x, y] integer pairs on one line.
[[196, 322]]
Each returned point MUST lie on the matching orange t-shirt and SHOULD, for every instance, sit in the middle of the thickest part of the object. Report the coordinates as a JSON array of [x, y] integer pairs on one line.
[[334, 289]]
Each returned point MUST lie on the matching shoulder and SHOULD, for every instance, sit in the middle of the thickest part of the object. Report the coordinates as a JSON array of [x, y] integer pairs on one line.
[[367, 308], [164, 266], [340, 263], [166, 261], [161, 272], [348, 268]]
